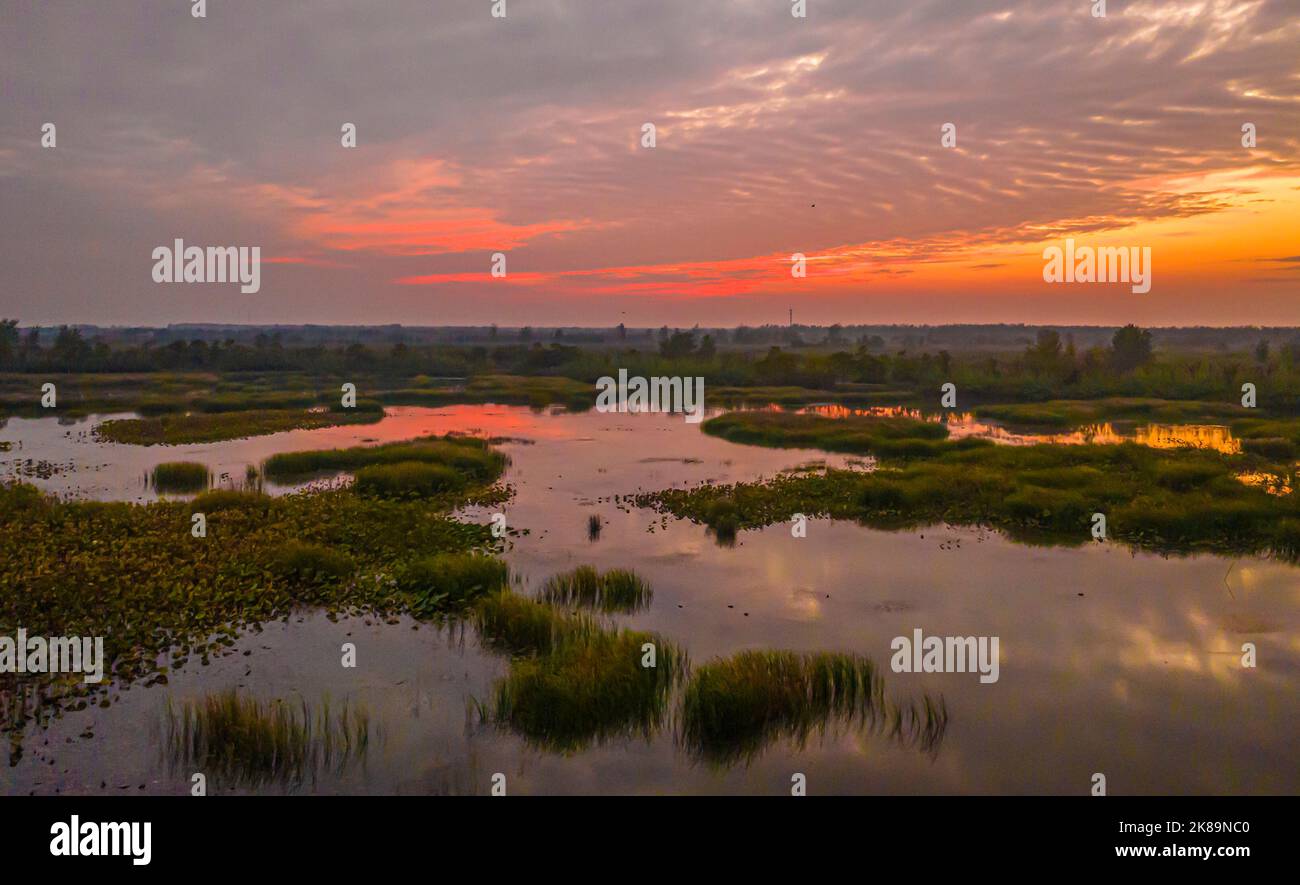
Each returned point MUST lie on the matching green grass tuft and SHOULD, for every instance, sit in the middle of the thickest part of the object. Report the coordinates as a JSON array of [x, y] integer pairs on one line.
[[181, 476], [448, 582], [240, 741], [617, 590]]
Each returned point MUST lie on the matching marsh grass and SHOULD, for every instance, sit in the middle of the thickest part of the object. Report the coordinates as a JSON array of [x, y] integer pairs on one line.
[[513, 623], [884, 436], [617, 590], [162, 600], [572, 681], [589, 688], [733, 708], [449, 582], [240, 741], [1179, 499], [181, 476], [1059, 414], [310, 563], [468, 457], [201, 427], [217, 500], [406, 479]]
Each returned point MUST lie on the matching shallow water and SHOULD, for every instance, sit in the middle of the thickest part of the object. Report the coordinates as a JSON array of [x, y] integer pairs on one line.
[[1111, 661]]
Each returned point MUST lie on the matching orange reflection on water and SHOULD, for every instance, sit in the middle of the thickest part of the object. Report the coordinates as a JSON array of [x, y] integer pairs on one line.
[[1214, 437], [1272, 483], [1198, 436], [832, 410]]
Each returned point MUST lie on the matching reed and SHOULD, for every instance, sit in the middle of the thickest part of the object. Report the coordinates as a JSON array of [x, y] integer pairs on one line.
[[241, 741], [617, 590]]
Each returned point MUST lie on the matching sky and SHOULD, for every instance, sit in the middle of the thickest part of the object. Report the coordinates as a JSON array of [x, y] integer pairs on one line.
[[774, 135]]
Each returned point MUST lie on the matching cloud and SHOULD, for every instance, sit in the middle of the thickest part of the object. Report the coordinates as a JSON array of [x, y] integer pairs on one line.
[[521, 135]]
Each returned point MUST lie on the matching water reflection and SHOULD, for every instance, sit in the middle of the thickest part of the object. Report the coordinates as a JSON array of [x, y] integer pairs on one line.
[[960, 425], [242, 741], [1112, 659]]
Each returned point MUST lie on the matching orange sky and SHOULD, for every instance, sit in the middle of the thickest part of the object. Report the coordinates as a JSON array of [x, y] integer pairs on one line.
[[774, 136]]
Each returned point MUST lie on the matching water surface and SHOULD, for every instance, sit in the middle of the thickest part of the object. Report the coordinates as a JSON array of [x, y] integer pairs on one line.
[[1111, 661]]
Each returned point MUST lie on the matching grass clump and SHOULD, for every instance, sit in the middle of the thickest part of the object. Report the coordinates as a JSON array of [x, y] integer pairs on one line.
[[1060, 414], [202, 427], [241, 741], [884, 436], [572, 681], [310, 563], [449, 581], [733, 707], [180, 476], [407, 479], [592, 686], [617, 590], [521, 625], [467, 456]]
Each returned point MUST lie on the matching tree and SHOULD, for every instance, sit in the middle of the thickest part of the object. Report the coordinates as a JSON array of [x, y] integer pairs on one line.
[[70, 349], [1045, 356], [707, 347], [1130, 348], [8, 340], [1261, 351], [679, 344]]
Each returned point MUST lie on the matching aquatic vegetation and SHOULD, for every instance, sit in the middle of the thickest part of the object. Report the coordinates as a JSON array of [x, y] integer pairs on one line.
[[517, 624], [590, 687], [176, 429], [1273, 448], [734, 707], [310, 563], [473, 458], [533, 390], [135, 575], [240, 741], [573, 681], [1165, 499], [81, 394], [449, 581], [407, 478], [216, 500], [180, 476], [893, 437], [1076, 413], [527, 390], [617, 590]]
